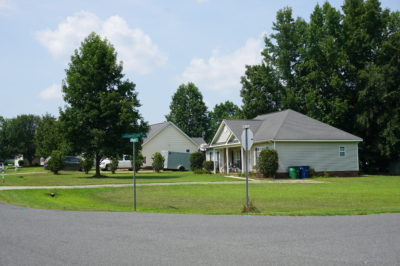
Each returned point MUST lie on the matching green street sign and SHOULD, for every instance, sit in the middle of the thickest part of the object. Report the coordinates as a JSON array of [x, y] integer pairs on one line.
[[134, 140], [134, 135]]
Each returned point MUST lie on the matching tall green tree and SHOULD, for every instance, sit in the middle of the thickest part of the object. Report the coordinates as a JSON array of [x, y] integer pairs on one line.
[[18, 136], [225, 110], [275, 84], [342, 67], [323, 60], [261, 90], [188, 111], [101, 104], [49, 137]]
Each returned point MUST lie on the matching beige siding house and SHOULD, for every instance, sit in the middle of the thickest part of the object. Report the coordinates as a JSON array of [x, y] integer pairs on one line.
[[298, 139], [167, 136]]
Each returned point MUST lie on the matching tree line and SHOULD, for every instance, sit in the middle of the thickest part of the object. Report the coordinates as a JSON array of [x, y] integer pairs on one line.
[[341, 67]]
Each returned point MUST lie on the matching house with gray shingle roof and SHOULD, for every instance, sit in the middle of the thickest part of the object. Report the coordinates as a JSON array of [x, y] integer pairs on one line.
[[298, 139], [166, 136]]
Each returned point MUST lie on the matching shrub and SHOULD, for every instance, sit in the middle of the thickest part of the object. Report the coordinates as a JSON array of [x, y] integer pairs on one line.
[[114, 164], [56, 161], [268, 162], [139, 161], [201, 171], [312, 172], [21, 163], [87, 162], [196, 160], [158, 162], [208, 165]]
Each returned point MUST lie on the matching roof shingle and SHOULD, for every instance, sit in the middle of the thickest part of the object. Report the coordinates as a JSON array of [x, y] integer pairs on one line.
[[288, 125]]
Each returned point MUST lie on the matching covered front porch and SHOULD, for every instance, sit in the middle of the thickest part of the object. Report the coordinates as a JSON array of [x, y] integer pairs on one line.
[[228, 159]]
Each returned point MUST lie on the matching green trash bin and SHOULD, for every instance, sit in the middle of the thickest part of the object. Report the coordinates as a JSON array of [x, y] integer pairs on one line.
[[294, 172]]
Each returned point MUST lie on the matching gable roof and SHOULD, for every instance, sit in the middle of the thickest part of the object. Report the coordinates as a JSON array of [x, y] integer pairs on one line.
[[288, 125], [199, 141], [155, 129]]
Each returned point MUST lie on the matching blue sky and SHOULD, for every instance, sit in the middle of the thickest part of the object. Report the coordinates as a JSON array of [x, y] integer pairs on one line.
[[162, 44]]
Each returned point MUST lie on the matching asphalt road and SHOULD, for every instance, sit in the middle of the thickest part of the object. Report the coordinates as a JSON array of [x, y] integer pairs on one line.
[[43, 237]]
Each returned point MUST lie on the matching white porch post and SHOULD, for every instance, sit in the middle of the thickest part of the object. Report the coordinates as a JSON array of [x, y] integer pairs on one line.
[[221, 160], [227, 160], [214, 154]]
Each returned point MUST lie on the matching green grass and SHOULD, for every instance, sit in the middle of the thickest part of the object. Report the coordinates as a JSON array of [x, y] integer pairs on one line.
[[338, 196], [37, 176], [30, 169]]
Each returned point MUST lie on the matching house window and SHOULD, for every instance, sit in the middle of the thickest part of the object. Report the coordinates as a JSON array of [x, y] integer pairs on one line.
[[342, 151], [187, 150]]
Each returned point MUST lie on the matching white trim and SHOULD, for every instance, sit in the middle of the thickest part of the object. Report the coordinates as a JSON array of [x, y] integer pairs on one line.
[[229, 137], [344, 151], [218, 131], [225, 145]]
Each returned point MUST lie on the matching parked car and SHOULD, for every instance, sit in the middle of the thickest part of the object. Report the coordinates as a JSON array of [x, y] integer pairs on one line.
[[125, 163], [70, 163], [2, 167]]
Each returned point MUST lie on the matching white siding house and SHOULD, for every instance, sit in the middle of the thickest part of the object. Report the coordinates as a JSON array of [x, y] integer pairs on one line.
[[298, 139], [167, 136]]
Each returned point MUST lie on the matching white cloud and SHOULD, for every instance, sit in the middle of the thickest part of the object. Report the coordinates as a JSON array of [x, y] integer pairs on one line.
[[4, 4], [222, 72], [134, 47], [51, 93]]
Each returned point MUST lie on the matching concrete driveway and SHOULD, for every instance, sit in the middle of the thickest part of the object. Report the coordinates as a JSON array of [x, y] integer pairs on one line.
[[44, 237]]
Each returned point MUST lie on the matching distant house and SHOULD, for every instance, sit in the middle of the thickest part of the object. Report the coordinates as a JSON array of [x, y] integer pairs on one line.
[[298, 139], [167, 136]]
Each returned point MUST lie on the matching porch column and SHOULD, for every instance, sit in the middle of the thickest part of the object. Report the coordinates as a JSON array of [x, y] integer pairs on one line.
[[242, 158], [221, 160], [214, 154], [227, 160]]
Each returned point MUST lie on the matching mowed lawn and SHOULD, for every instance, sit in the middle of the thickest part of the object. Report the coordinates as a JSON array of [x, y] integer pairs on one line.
[[337, 196], [37, 176]]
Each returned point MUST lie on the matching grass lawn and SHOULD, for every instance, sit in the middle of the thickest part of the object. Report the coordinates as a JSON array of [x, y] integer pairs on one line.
[[337, 196], [37, 176]]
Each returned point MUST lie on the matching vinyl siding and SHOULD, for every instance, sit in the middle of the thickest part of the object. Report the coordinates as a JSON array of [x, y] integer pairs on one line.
[[223, 137], [169, 139], [319, 156]]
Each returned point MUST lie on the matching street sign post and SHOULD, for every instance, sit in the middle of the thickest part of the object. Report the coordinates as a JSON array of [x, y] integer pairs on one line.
[[134, 138], [247, 142]]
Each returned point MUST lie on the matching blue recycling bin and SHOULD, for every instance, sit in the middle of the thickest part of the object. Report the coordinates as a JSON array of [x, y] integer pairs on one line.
[[304, 172]]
